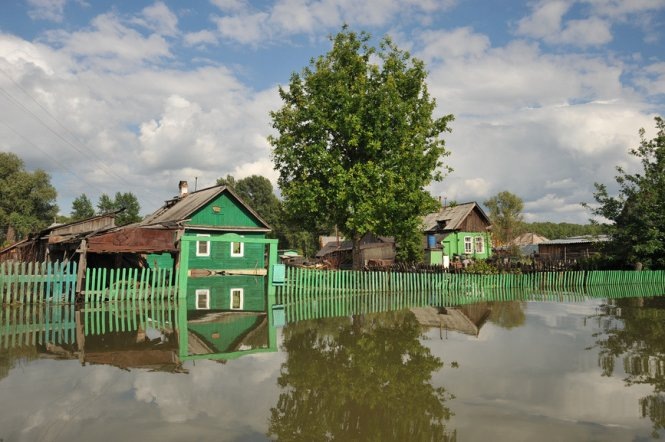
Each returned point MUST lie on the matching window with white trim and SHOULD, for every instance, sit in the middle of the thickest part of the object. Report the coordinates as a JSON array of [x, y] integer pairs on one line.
[[480, 244], [468, 244], [203, 247], [237, 299], [202, 299], [237, 249]]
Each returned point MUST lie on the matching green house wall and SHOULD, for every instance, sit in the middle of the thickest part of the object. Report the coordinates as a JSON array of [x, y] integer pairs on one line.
[[453, 245], [254, 295], [220, 254], [224, 211]]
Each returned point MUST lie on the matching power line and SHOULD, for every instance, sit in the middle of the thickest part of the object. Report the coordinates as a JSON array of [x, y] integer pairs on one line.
[[68, 142]]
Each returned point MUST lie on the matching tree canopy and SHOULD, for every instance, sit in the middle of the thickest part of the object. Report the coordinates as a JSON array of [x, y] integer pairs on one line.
[[637, 213], [82, 208], [357, 142], [506, 215], [27, 199], [127, 201]]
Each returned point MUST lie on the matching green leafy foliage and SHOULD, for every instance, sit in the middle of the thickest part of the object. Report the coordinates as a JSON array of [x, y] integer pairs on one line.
[[552, 230], [357, 142], [126, 201], [506, 215], [82, 208], [27, 199], [638, 211]]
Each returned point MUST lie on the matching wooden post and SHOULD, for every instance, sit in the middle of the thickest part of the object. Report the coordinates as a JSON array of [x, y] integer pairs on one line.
[[83, 265]]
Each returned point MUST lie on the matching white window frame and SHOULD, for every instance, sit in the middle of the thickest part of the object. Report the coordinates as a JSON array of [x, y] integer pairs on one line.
[[242, 299], [468, 245], [206, 293], [242, 249], [479, 244], [207, 243]]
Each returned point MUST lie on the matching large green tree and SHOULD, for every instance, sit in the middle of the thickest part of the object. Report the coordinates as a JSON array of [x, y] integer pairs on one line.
[[506, 216], [357, 142], [637, 213], [27, 199]]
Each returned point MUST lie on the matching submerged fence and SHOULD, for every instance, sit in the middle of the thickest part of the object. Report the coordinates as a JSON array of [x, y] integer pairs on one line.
[[37, 282], [317, 303], [129, 284], [347, 281], [309, 294], [34, 324]]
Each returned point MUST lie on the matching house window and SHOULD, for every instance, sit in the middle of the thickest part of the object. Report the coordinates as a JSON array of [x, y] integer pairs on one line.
[[203, 247], [237, 249], [480, 244], [468, 245], [237, 299], [203, 299]]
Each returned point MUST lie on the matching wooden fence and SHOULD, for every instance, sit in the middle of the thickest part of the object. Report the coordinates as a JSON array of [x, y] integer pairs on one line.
[[318, 303], [309, 294], [127, 284], [34, 282]]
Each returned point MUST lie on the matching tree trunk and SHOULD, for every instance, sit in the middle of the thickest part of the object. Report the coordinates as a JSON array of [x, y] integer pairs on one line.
[[357, 256]]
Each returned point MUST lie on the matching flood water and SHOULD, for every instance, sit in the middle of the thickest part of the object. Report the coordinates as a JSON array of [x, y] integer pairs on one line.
[[560, 369]]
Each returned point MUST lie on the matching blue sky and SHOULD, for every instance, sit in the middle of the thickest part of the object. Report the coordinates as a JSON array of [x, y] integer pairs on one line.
[[135, 96]]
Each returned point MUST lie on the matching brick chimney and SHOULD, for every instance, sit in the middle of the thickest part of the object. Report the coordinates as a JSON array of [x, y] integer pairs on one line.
[[182, 186]]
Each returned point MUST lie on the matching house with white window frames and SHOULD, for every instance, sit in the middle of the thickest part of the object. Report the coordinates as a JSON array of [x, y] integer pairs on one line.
[[458, 231]]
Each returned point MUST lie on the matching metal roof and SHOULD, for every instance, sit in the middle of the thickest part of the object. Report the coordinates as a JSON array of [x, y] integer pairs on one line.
[[452, 217], [178, 210], [585, 239]]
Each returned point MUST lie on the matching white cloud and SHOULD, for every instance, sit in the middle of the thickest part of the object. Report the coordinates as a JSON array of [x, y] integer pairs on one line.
[[547, 23], [159, 18], [52, 10], [110, 44]]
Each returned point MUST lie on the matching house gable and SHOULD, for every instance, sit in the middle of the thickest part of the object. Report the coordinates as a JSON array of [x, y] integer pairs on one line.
[[225, 211]]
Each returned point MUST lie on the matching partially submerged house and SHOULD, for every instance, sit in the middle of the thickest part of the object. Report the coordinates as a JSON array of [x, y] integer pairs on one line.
[[461, 231]]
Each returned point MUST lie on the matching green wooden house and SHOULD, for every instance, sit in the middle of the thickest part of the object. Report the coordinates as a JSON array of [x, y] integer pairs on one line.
[[457, 232], [226, 275]]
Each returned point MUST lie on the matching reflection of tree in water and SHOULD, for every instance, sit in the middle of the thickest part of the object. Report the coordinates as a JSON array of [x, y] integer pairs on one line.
[[634, 331], [508, 314], [362, 379]]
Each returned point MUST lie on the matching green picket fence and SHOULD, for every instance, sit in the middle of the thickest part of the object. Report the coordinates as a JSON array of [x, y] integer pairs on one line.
[[309, 294], [300, 280], [127, 284], [35, 282], [37, 324]]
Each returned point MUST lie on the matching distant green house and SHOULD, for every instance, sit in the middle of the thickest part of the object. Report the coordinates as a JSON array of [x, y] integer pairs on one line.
[[458, 232]]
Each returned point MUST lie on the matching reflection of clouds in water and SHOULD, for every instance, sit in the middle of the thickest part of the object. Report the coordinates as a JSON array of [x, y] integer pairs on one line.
[[60, 400], [535, 376], [214, 389]]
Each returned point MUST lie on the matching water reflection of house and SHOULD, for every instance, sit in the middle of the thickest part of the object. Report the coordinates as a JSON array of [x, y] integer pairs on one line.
[[467, 319], [226, 332]]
